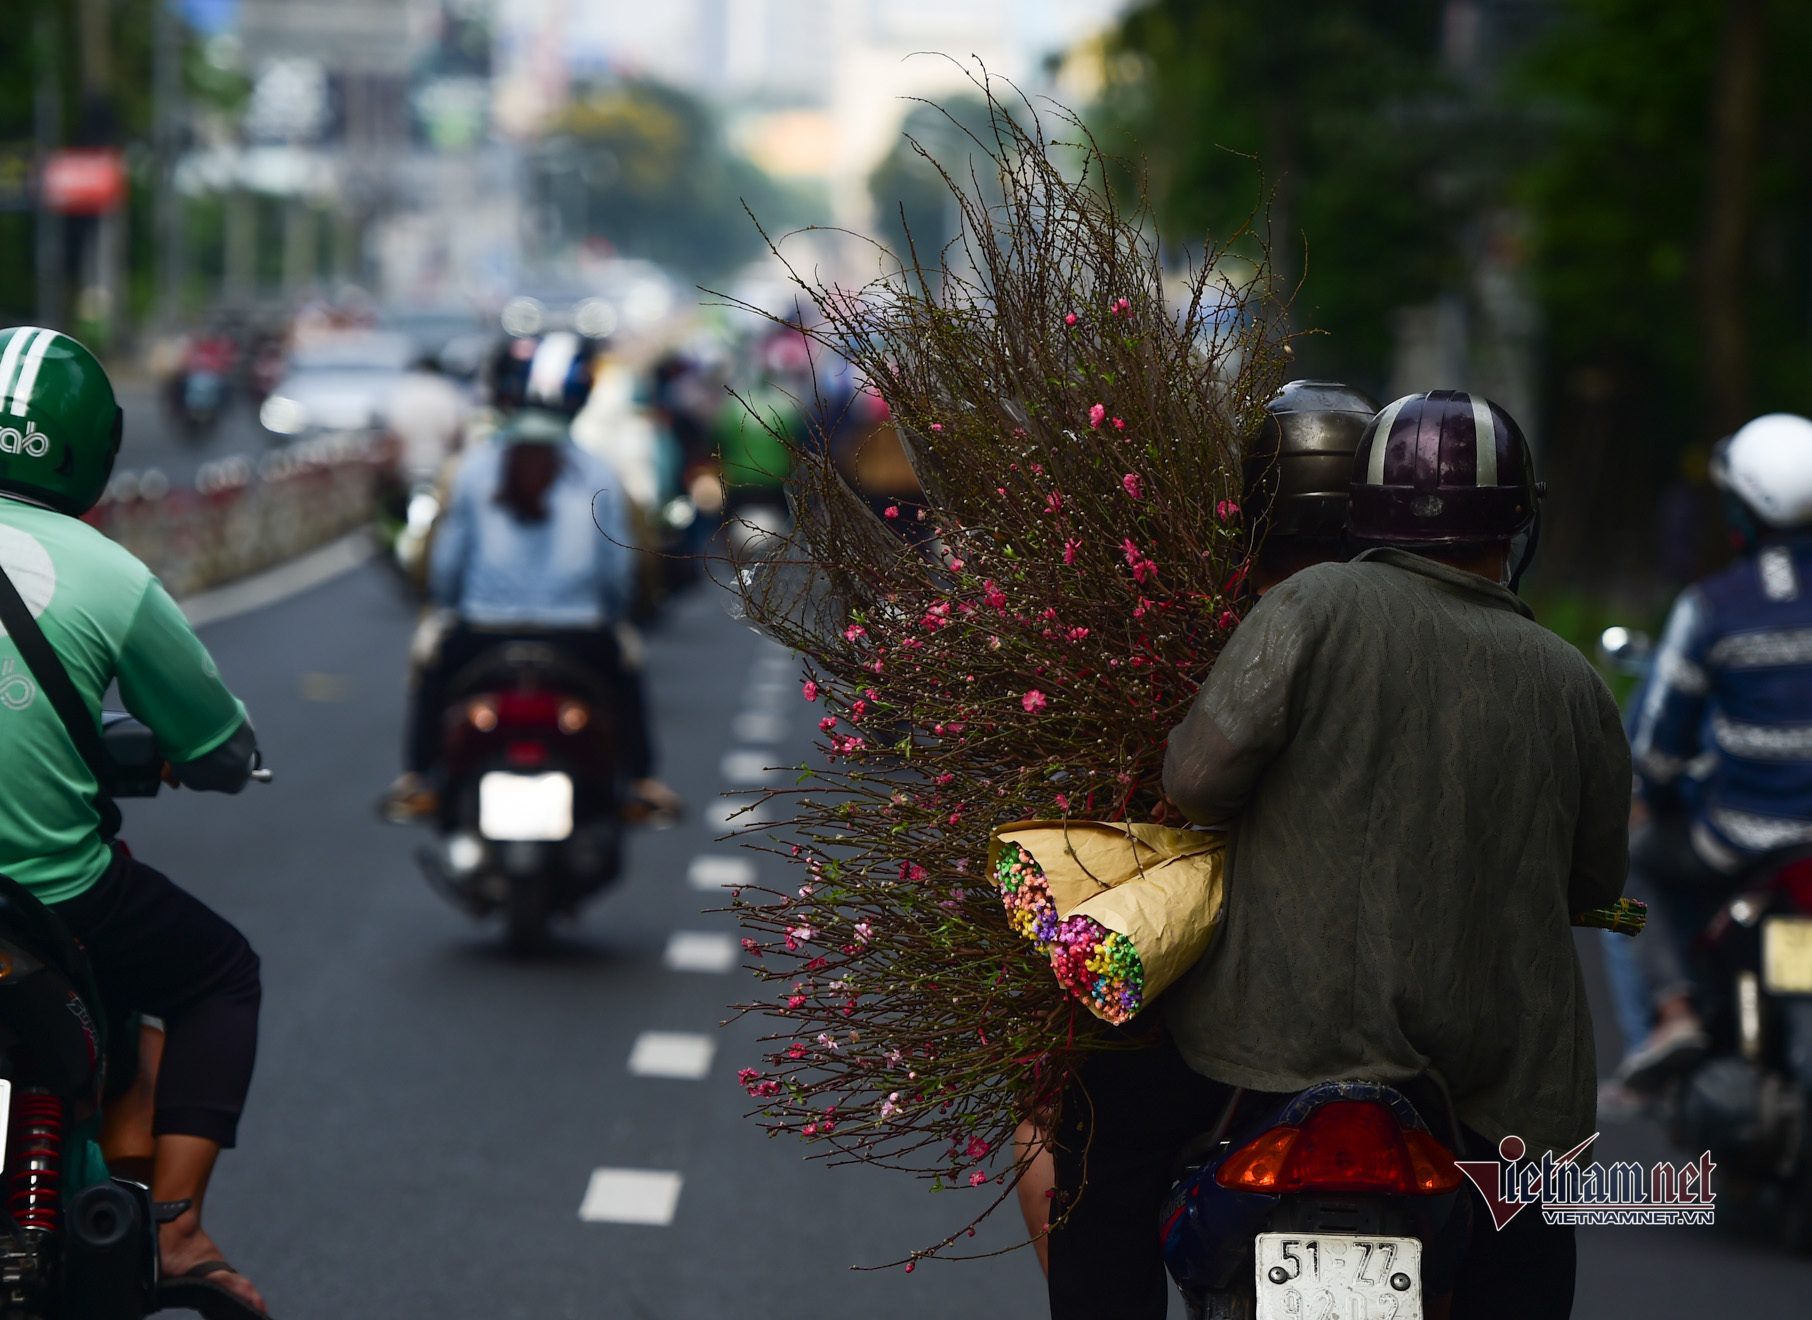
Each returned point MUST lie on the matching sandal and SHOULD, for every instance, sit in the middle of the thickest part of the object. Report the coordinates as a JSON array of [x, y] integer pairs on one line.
[[193, 1290]]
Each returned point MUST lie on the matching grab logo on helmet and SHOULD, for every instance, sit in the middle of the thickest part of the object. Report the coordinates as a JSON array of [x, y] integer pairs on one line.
[[31, 442]]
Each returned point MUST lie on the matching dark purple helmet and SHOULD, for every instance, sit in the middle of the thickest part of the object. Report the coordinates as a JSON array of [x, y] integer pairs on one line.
[[1442, 467]]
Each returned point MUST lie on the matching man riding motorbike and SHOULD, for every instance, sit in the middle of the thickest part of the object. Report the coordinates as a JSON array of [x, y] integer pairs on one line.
[[1113, 1153], [533, 545], [1735, 663], [155, 949], [1425, 785]]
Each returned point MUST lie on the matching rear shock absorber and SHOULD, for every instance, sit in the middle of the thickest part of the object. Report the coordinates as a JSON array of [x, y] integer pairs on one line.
[[35, 1162]]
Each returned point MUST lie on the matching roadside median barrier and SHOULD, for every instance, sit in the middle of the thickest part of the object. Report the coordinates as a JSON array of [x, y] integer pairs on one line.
[[244, 513]]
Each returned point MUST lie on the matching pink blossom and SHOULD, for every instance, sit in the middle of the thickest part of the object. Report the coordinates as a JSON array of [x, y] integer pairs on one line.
[[1097, 414], [1119, 424], [1077, 634], [1226, 510], [1069, 551], [1144, 570], [921, 515], [1125, 306], [1053, 502], [828, 723], [937, 426], [854, 631], [956, 565], [1131, 551], [1228, 619], [864, 931], [1069, 318], [858, 710], [871, 694], [809, 691], [1134, 485], [977, 1178], [810, 1128], [1033, 701], [976, 1149], [993, 642], [795, 1001], [797, 1049], [891, 511], [744, 1076], [992, 596], [1143, 608]]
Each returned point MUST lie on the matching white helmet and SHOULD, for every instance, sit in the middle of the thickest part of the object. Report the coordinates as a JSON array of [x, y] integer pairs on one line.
[[1767, 465]]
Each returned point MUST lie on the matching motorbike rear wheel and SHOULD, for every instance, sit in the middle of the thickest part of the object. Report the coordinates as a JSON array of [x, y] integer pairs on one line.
[[525, 915]]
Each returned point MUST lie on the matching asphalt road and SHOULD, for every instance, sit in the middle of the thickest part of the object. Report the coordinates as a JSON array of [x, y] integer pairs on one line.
[[429, 1114], [151, 440]]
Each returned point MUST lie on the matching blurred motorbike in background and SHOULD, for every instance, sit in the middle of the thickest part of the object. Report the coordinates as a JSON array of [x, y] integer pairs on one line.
[[531, 815], [1748, 1098]]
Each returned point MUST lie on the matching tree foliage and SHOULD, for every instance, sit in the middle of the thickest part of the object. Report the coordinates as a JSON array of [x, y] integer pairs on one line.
[[1338, 114], [657, 179]]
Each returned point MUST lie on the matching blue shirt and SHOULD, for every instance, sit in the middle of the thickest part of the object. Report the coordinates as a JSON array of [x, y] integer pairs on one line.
[[1724, 728], [571, 570]]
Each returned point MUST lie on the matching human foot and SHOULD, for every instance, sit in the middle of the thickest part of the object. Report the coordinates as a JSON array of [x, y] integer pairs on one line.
[[187, 1253]]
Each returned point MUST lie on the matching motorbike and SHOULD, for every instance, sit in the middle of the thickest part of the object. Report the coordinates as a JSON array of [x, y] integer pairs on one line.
[[200, 390], [75, 1243], [1747, 1101], [1339, 1200], [531, 811]]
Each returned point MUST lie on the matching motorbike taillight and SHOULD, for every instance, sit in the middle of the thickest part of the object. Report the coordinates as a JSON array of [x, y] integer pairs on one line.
[[529, 708], [1344, 1146], [1794, 880]]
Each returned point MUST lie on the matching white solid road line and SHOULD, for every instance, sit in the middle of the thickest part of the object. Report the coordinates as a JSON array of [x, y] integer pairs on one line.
[[745, 768], [715, 871], [631, 1196], [683, 1054], [281, 582], [699, 951]]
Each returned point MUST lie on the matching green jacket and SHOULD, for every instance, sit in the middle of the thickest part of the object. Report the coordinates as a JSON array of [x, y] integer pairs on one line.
[[1427, 784], [107, 619]]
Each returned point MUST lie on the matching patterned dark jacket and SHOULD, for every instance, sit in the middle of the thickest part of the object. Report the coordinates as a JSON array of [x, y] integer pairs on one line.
[[1724, 729]]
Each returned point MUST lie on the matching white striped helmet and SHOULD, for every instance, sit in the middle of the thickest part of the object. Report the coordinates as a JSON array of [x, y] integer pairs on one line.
[[1767, 465], [59, 422], [1442, 467]]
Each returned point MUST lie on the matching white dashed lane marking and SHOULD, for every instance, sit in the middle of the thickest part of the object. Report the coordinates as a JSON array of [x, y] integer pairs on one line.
[[631, 1196], [737, 812], [759, 726], [700, 951], [745, 767], [714, 871], [683, 1054]]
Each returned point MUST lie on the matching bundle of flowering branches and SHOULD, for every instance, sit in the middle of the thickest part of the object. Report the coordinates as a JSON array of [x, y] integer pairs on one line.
[[1016, 646]]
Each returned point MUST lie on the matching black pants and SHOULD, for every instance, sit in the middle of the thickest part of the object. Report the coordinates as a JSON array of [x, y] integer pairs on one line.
[[1126, 1118], [594, 648], [158, 950]]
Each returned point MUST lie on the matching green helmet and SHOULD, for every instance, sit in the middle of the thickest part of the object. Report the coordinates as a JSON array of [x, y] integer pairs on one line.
[[59, 423]]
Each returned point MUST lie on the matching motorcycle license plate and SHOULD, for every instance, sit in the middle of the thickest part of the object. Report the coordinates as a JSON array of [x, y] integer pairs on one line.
[[1305, 1276], [525, 808], [1787, 955]]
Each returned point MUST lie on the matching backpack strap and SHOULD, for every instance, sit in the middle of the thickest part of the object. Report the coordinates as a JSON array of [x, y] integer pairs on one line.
[[60, 690]]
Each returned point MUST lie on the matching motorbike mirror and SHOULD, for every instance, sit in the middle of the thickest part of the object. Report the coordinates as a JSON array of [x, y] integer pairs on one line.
[[262, 776], [1625, 649]]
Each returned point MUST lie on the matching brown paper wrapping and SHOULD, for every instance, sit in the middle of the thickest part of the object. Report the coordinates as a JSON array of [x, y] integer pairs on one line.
[[1160, 888]]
